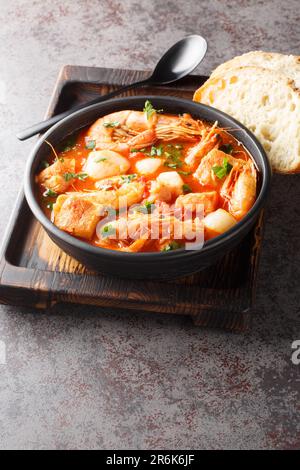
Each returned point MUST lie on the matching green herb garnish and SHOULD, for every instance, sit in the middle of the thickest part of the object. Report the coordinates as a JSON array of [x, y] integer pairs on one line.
[[171, 165], [156, 151], [100, 160], [153, 152], [148, 205], [173, 155], [186, 188], [45, 164], [107, 231], [184, 173], [49, 193], [145, 208], [90, 144], [78, 176], [111, 124], [50, 205], [172, 246], [81, 176], [226, 148], [149, 110], [128, 178], [69, 176], [221, 171]]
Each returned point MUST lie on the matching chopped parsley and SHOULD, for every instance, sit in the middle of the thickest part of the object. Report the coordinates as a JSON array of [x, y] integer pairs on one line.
[[226, 148], [101, 160], [45, 164], [173, 155], [107, 231], [49, 193], [221, 171], [153, 152], [184, 173], [90, 144], [128, 178], [174, 166], [172, 246], [156, 151], [111, 124], [50, 205], [186, 188], [78, 176], [148, 206], [149, 110], [145, 208], [81, 176]]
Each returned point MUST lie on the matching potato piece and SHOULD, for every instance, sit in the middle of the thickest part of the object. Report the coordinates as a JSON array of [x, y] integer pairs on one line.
[[218, 222], [148, 166], [76, 215], [105, 163], [53, 178]]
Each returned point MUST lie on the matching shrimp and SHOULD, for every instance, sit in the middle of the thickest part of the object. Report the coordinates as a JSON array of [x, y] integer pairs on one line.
[[114, 182], [215, 157], [140, 226], [123, 195], [192, 201], [53, 177], [136, 246], [210, 139], [123, 130], [239, 189]]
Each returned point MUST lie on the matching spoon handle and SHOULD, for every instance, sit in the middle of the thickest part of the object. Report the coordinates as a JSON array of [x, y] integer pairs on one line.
[[45, 125]]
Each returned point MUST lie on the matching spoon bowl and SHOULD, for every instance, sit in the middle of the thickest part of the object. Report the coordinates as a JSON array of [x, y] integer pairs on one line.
[[180, 60]]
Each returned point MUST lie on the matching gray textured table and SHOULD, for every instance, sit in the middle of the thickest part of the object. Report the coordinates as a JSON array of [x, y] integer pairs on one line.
[[79, 377]]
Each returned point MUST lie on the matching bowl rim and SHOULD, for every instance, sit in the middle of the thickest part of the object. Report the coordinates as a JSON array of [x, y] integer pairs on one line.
[[209, 245]]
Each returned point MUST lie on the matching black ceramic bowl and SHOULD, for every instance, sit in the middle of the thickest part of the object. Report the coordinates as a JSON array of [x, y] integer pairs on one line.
[[164, 265]]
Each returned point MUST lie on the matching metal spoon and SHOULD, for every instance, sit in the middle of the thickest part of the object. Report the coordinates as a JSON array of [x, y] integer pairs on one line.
[[180, 60]]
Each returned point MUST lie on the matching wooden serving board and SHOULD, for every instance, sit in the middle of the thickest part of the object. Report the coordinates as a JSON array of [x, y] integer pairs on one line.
[[34, 272]]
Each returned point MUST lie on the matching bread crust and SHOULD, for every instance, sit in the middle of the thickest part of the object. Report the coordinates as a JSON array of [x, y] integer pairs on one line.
[[264, 100], [288, 65]]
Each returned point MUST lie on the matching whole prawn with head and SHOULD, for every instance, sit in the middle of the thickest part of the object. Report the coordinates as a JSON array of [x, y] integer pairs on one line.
[[237, 180], [125, 130]]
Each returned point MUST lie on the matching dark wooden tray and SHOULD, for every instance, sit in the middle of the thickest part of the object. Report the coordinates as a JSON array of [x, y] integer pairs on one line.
[[35, 272]]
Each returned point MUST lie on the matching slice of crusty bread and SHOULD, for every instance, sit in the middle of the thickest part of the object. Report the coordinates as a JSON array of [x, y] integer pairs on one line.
[[266, 102], [288, 65]]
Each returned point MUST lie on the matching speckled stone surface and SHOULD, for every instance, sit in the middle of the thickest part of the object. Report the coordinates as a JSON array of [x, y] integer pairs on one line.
[[81, 377]]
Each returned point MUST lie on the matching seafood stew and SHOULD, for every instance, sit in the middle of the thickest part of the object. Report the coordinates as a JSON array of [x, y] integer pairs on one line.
[[147, 181]]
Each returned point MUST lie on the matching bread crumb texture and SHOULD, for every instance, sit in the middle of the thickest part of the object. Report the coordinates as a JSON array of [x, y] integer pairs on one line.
[[264, 99]]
